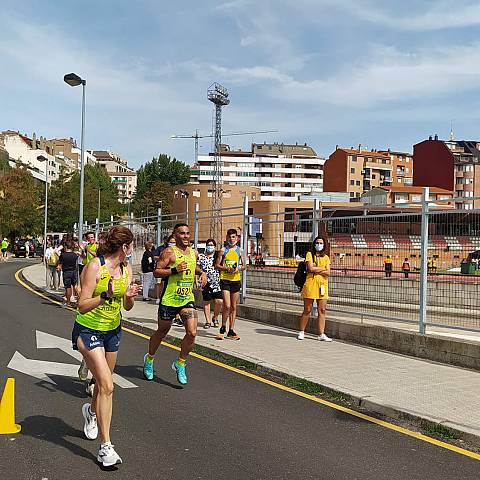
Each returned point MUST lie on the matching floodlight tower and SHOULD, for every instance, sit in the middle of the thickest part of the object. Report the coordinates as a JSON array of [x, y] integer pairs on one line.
[[218, 95]]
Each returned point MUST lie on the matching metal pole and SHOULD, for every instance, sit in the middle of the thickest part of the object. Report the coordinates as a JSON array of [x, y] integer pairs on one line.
[[98, 209], [422, 321], [187, 195], [45, 223], [82, 164], [244, 247], [196, 233], [159, 226], [316, 208]]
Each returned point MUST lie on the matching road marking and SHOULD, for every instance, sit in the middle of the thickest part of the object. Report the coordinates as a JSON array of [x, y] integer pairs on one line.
[[349, 411]]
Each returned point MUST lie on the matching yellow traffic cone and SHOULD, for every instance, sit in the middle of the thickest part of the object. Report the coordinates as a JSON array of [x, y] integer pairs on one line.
[[7, 409]]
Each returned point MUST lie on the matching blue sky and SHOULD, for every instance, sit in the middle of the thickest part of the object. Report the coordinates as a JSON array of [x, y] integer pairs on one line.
[[326, 72]]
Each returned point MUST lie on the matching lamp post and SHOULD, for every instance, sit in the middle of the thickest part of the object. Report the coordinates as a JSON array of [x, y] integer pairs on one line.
[[185, 195], [74, 80], [41, 158]]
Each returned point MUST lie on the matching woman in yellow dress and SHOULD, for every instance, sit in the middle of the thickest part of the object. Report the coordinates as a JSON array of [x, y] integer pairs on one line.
[[316, 287]]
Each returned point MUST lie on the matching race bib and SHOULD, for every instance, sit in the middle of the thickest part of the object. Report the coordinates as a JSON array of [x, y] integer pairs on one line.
[[184, 289]]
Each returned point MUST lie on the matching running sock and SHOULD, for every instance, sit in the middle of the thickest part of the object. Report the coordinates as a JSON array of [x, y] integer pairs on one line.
[[181, 362], [149, 357]]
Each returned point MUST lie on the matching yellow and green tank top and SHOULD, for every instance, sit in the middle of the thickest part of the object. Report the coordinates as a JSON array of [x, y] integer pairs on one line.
[[231, 258], [108, 315], [179, 289], [90, 248]]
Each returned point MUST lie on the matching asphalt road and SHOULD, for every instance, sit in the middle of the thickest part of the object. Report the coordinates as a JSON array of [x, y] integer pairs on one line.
[[220, 426]]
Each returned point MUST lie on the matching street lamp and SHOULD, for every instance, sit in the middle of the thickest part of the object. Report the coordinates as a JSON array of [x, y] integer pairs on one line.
[[185, 195], [41, 158], [98, 212], [74, 81]]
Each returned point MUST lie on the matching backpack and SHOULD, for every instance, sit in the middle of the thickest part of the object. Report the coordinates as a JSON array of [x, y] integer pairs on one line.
[[300, 276], [53, 259]]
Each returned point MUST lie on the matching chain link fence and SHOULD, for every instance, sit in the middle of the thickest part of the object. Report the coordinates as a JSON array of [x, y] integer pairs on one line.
[[378, 270]]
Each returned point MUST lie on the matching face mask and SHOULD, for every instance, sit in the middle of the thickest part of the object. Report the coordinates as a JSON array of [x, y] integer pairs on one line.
[[171, 245], [232, 244], [319, 247], [210, 249]]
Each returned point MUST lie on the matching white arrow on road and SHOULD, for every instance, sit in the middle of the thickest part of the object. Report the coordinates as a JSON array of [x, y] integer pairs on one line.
[[41, 369]]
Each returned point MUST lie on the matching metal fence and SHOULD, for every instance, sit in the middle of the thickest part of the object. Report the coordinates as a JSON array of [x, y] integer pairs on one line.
[[434, 256]]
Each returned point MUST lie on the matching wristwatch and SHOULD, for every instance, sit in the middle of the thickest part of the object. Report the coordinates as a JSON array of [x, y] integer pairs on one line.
[[104, 296]]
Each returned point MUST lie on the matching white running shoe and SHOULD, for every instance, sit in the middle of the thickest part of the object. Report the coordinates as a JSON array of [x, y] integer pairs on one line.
[[157, 301], [301, 335], [324, 338], [108, 456], [83, 371], [90, 429]]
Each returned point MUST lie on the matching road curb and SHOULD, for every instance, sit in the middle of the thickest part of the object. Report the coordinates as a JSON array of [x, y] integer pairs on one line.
[[364, 404]]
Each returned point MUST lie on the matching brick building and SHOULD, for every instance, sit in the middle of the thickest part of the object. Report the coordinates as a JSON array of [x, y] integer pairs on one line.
[[450, 164]]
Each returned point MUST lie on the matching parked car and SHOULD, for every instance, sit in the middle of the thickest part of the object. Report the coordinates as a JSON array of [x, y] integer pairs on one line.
[[20, 249]]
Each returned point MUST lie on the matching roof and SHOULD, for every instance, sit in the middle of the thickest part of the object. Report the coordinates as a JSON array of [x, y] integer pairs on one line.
[[364, 153], [414, 189]]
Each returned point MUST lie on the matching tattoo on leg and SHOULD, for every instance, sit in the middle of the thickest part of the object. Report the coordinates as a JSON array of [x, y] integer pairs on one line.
[[186, 315]]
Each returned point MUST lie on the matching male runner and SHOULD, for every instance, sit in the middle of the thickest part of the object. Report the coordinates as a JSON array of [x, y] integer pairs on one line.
[[178, 265], [230, 262]]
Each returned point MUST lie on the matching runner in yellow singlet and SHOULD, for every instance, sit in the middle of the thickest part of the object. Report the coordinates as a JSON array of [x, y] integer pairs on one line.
[[107, 284], [178, 265], [230, 262]]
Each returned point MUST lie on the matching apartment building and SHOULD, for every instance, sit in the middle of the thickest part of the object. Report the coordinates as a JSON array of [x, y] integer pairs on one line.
[[453, 165], [356, 170], [24, 151], [122, 176], [281, 171], [402, 167]]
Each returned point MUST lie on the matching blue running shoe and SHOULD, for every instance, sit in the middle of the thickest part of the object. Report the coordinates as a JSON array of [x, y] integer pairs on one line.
[[181, 373], [147, 368]]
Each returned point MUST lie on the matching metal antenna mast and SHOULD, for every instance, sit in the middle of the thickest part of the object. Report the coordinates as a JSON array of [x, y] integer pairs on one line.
[[218, 95]]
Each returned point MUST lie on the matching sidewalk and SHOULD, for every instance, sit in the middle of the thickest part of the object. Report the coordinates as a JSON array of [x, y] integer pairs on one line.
[[382, 382]]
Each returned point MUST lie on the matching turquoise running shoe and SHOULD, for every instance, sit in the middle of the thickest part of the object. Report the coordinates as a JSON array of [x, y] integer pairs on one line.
[[147, 368], [181, 373]]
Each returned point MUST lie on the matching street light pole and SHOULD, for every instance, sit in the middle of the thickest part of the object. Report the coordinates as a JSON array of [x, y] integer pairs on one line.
[[98, 209], [41, 158], [74, 80]]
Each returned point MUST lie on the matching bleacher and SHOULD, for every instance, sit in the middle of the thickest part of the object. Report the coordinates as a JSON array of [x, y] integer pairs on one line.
[[403, 242]]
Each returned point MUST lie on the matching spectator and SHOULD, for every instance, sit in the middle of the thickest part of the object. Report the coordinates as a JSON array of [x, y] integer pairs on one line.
[[406, 267], [211, 292], [67, 264], [148, 266], [51, 261], [388, 262], [316, 287]]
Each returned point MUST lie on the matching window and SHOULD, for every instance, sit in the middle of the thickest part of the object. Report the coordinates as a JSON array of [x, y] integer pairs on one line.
[[352, 182], [352, 170], [354, 159], [357, 182], [196, 193]]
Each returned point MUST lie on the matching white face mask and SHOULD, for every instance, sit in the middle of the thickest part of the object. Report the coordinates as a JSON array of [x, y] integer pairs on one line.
[[171, 245], [319, 247], [210, 248]]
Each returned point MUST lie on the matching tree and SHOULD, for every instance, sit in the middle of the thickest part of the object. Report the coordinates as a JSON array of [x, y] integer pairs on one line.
[[20, 204], [161, 169], [4, 165], [159, 193], [64, 199], [155, 180]]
